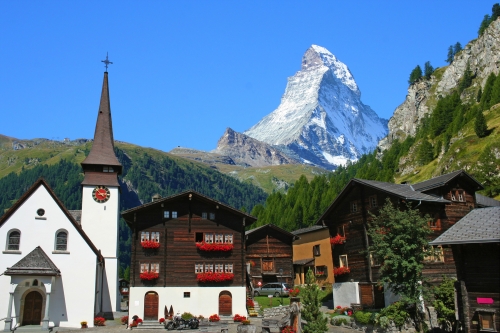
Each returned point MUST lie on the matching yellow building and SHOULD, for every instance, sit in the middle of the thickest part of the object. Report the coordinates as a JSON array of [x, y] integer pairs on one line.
[[313, 251]]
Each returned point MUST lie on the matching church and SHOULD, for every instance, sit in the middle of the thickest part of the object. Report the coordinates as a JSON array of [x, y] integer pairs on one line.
[[60, 267]]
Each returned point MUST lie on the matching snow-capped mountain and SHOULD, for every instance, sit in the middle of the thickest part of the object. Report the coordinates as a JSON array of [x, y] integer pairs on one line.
[[321, 118]]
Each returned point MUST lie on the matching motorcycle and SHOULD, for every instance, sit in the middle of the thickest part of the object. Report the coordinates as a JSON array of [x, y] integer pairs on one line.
[[179, 323]]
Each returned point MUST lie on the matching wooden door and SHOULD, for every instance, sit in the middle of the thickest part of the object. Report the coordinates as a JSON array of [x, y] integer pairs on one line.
[[225, 303], [32, 314], [366, 294], [151, 306]]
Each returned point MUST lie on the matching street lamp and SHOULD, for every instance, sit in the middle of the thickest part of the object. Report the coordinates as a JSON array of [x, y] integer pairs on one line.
[[281, 284]]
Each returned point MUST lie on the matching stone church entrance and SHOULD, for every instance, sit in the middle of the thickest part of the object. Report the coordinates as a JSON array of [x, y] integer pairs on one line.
[[32, 314], [151, 306]]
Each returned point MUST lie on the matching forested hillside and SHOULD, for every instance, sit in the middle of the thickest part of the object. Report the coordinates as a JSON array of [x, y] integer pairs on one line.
[[145, 172]]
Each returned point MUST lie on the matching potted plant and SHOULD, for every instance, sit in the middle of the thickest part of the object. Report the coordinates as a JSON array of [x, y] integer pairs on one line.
[[341, 270], [84, 324], [99, 321], [337, 240], [148, 276], [214, 318], [214, 277], [150, 244], [124, 320]]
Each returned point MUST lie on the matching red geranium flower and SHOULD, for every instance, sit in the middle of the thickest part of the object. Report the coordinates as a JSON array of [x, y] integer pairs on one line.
[[214, 246], [150, 244], [214, 277], [149, 276], [337, 240], [341, 270]]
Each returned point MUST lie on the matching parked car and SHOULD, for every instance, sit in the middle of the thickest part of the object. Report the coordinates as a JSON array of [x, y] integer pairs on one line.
[[276, 289]]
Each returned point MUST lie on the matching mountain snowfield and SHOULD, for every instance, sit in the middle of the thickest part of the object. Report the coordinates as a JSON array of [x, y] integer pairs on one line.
[[321, 118]]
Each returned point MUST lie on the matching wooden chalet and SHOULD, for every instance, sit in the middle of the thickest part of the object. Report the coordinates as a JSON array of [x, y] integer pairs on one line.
[[269, 251], [445, 198], [475, 242], [188, 253]]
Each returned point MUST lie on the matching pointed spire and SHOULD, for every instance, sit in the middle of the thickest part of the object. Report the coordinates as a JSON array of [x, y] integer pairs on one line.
[[102, 152]]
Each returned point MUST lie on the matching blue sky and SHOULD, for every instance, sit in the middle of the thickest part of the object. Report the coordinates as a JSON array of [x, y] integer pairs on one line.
[[186, 70]]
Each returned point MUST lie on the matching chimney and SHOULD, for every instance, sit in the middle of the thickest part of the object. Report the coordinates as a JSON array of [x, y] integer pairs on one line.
[[156, 197]]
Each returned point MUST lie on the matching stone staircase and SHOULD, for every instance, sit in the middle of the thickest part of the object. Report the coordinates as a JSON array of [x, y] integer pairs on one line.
[[150, 325]]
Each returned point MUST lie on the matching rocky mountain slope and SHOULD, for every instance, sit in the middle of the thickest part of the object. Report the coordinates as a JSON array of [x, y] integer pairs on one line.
[[483, 56], [247, 151], [321, 119]]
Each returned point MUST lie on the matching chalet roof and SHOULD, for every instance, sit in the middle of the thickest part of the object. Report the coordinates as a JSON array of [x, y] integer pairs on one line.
[[483, 201], [29, 192], [402, 191], [34, 263], [481, 225], [128, 215], [303, 262], [274, 227], [445, 179], [308, 229], [102, 152]]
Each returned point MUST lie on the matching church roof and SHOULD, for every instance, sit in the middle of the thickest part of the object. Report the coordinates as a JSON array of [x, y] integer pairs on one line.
[[29, 192], [34, 263], [102, 152]]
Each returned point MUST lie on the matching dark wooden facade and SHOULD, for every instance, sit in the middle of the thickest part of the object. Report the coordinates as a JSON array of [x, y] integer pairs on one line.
[[349, 214], [190, 217], [478, 273], [269, 249]]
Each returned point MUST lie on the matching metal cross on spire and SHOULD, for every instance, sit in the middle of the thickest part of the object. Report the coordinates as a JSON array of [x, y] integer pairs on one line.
[[107, 62]]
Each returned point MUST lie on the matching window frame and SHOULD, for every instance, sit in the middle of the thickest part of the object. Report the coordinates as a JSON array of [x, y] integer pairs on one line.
[[433, 257], [316, 250], [228, 268], [374, 261], [373, 201], [8, 244], [481, 313], [166, 214], [174, 214], [57, 239], [267, 264], [198, 268], [341, 261], [353, 205]]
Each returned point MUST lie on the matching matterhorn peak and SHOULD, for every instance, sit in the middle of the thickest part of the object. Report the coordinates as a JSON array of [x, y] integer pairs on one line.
[[321, 118]]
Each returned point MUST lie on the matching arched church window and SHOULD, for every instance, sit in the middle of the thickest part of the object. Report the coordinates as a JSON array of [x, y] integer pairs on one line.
[[35, 282], [61, 241], [14, 240]]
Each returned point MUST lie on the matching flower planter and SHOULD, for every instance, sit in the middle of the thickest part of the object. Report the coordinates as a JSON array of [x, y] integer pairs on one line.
[[337, 240], [214, 277], [149, 276], [211, 247], [150, 245], [341, 271], [294, 299]]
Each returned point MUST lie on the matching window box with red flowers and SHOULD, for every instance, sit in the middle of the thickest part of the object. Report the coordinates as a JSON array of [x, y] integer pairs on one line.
[[224, 247], [337, 240], [238, 318], [341, 271], [214, 318], [150, 244], [214, 277], [149, 276]]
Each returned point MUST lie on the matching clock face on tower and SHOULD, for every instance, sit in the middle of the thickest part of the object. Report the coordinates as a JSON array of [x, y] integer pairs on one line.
[[100, 194]]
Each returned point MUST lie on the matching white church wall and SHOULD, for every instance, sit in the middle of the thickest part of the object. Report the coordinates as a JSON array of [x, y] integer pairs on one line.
[[202, 301], [73, 296]]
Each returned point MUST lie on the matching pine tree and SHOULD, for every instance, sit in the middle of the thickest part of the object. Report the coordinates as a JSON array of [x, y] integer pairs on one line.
[[480, 126], [316, 322], [495, 12], [428, 70], [484, 24], [449, 57], [466, 80], [457, 48], [495, 92], [487, 92], [479, 93], [415, 75], [425, 153]]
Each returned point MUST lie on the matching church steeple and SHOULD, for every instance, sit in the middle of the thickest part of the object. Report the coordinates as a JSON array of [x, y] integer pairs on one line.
[[102, 159]]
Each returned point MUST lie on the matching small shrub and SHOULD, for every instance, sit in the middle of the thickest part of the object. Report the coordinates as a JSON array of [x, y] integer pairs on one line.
[[124, 319], [187, 316], [288, 329], [99, 321], [339, 321], [364, 318], [161, 320], [396, 312]]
